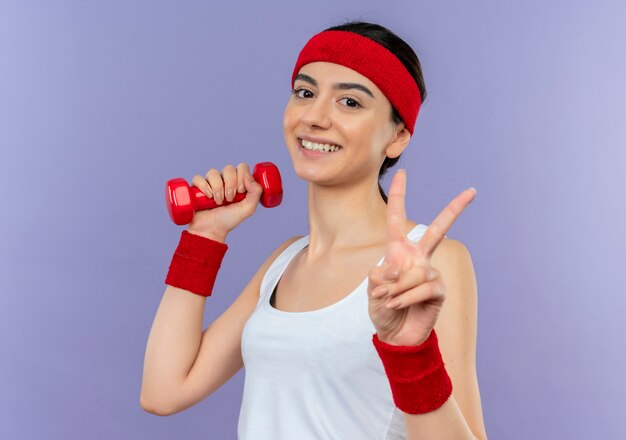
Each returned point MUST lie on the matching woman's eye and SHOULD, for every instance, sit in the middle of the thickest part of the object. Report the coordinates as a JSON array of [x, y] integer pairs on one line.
[[297, 92], [352, 103], [301, 93]]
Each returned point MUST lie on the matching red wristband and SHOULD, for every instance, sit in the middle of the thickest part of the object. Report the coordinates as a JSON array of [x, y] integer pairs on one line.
[[195, 263], [417, 375]]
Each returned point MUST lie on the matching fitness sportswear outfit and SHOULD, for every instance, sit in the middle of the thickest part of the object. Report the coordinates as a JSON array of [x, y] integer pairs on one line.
[[315, 375]]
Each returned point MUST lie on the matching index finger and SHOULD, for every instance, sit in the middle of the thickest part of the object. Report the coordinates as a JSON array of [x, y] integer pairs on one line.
[[444, 221]]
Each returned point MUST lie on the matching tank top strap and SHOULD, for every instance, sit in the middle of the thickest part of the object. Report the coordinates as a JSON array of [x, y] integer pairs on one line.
[[417, 232], [281, 260]]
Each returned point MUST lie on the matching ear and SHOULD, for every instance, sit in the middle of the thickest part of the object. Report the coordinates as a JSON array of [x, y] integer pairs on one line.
[[399, 142]]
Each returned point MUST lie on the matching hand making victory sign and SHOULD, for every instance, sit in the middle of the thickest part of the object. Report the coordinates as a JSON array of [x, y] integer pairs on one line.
[[418, 286]]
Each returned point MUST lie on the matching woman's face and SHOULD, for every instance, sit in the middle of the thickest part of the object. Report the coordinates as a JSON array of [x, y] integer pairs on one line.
[[333, 104]]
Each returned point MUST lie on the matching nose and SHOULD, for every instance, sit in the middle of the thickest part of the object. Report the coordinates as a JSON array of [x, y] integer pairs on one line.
[[317, 113]]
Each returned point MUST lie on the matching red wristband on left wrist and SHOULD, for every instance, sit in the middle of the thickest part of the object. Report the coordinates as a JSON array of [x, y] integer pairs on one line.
[[417, 375]]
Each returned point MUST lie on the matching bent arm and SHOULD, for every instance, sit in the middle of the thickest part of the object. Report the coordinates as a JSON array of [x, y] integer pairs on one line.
[[173, 343], [183, 365]]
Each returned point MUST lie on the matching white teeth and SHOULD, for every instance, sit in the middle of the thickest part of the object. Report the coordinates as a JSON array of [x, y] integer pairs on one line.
[[319, 147]]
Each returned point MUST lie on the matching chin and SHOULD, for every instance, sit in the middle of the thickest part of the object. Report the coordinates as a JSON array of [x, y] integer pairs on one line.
[[308, 172]]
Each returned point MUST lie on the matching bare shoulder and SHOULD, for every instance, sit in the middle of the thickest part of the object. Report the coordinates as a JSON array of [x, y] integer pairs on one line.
[[256, 280], [280, 249], [255, 283], [453, 260], [450, 251]]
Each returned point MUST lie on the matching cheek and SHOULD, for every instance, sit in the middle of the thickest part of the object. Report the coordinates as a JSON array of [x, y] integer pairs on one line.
[[290, 122], [289, 117], [361, 131]]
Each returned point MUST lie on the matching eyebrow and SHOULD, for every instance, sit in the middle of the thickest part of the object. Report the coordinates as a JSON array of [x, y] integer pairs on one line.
[[336, 86]]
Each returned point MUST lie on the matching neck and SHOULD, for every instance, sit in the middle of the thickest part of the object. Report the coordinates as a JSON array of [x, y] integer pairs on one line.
[[345, 216]]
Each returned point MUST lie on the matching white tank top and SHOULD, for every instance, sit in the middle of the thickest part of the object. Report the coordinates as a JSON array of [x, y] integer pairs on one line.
[[315, 375]]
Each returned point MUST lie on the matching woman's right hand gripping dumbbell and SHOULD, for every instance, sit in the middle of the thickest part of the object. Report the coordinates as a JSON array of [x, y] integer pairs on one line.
[[217, 223]]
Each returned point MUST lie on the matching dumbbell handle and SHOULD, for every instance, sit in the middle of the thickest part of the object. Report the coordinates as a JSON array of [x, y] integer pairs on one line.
[[183, 200]]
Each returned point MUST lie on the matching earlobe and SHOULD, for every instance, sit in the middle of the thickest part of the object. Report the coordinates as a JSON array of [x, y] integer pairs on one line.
[[397, 145]]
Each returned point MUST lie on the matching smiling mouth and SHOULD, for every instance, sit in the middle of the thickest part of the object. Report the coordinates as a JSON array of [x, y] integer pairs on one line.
[[321, 148]]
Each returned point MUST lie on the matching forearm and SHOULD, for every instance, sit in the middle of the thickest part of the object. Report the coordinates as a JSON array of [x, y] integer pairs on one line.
[[446, 422], [173, 344], [176, 333]]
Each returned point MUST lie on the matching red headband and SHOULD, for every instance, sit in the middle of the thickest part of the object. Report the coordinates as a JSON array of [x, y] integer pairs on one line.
[[370, 59]]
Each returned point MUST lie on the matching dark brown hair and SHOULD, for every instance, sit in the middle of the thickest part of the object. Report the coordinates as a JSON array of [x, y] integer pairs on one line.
[[404, 53]]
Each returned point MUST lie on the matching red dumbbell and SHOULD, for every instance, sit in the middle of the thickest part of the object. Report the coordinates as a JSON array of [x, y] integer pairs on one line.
[[182, 200]]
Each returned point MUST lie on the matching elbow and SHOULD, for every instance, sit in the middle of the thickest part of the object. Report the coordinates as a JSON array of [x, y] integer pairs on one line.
[[155, 408], [159, 400]]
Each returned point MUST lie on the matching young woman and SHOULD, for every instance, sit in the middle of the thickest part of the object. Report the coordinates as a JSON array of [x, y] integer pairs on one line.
[[344, 332]]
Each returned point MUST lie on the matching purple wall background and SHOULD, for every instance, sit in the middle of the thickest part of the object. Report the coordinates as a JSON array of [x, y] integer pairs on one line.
[[101, 103]]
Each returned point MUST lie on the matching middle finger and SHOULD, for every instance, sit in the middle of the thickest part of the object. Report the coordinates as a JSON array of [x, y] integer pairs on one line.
[[242, 171], [229, 173]]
